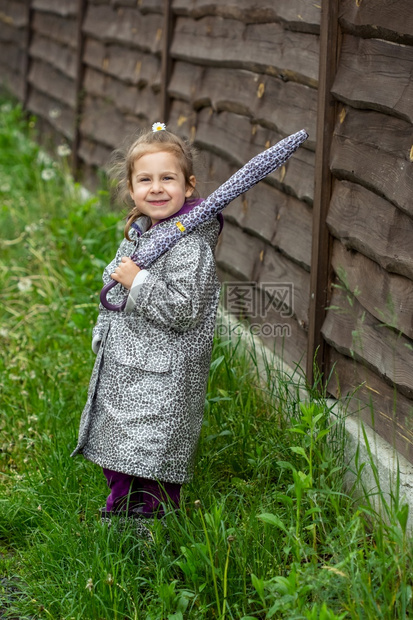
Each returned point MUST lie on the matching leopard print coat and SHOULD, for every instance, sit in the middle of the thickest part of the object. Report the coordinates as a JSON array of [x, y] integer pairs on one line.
[[146, 396]]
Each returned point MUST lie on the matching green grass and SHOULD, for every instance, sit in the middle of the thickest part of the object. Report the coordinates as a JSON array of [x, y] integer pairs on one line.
[[266, 529]]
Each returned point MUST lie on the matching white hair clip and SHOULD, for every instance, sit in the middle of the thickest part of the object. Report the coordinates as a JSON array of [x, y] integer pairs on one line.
[[158, 127]]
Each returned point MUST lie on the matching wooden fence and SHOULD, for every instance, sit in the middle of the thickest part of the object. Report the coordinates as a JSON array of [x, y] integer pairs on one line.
[[319, 254]]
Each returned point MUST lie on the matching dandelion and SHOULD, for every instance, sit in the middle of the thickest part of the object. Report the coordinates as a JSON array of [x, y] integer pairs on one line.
[[63, 150], [197, 504], [30, 228], [32, 418], [24, 285], [55, 112], [84, 194], [3, 332], [44, 158], [47, 174], [5, 187], [39, 508], [14, 377], [109, 580], [6, 107], [89, 585]]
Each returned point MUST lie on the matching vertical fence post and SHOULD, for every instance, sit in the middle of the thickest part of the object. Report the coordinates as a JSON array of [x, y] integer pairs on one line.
[[166, 66], [26, 61], [320, 278], [81, 9]]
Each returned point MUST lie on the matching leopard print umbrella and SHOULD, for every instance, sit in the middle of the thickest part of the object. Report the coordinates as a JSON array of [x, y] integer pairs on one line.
[[249, 175]]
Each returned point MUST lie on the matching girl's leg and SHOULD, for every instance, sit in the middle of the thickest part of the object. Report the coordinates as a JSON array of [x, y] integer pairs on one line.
[[154, 493], [124, 491]]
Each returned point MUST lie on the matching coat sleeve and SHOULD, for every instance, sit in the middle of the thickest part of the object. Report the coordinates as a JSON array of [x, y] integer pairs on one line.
[[180, 296]]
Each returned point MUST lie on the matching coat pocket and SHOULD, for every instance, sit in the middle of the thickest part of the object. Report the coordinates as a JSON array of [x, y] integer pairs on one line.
[[152, 351]]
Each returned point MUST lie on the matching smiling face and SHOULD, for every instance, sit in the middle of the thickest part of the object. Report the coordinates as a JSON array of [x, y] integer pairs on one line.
[[158, 186]]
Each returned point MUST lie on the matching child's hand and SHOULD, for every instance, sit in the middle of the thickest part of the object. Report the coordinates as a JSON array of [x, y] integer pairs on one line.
[[126, 272]]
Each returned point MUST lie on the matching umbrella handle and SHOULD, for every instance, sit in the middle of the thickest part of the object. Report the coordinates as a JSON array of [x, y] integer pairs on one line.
[[104, 300]]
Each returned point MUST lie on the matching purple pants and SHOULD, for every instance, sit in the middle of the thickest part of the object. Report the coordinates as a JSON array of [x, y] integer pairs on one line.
[[129, 492]]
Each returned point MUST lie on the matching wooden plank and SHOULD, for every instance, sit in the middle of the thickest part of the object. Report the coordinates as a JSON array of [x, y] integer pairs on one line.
[[149, 6], [352, 331], [276, 268], [102, 122], [54, 27], [182, 119], [371, 225], [384, 133], [233, 137], [45, 78], [13, 13], [28, 32], [12, 35], [64, 8], [78, 85], [321, 249], [12, 81], [376, 75], [127, 99], [374, 150], [299, 15], [381, 19], [126, 64], [166, 65], [388, 298], [145, 6], [125, 26], [116, 4], [239, 253], [377, 404], [246, 93], [14, 57], [263, 48], [59, 56], [293, 233], [93, 153], [287, 339], [57, 115]]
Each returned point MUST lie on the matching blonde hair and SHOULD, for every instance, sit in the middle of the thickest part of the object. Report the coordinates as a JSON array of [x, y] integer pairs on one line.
[[122, 165]]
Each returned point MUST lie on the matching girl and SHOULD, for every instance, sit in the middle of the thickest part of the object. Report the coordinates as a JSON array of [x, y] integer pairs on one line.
[[143, 415]]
